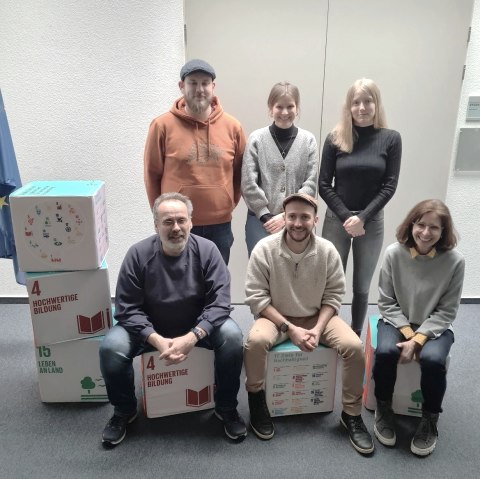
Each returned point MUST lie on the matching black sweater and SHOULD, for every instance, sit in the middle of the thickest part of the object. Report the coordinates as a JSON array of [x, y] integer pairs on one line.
[[172, 294], [363, 180]]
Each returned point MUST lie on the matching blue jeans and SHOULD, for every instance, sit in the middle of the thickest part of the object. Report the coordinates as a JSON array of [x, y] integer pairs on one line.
[[366, 251], [433, 358], [119, 347], [220, 234], [254, 232]]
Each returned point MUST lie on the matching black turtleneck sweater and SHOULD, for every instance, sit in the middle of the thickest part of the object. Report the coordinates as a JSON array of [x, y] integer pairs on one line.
[[283, 137], [363, 180]]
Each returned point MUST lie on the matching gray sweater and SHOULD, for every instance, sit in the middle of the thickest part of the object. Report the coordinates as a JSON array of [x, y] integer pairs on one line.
[[267, 178], [420, 291]]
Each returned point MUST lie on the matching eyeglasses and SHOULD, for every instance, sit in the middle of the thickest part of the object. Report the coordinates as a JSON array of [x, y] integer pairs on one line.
[[423, 226]]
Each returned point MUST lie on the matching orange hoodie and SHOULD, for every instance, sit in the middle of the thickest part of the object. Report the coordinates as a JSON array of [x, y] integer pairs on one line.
[[200, 159]]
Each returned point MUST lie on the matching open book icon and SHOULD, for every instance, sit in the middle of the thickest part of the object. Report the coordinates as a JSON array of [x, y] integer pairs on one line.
[[198, 398], [87, 325]]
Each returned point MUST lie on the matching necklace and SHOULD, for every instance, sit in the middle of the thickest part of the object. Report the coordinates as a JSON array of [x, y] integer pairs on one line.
[[283, 151]]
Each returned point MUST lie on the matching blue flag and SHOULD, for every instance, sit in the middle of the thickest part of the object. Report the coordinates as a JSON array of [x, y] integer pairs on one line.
[[9, 182]]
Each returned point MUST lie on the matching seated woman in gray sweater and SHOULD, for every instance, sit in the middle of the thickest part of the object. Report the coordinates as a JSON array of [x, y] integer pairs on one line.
[[279, 160], [420, 287]]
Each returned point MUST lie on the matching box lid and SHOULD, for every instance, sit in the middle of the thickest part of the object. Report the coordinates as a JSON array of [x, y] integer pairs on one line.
[[39, 274], [289, 346], [59, 188], [373, 320]]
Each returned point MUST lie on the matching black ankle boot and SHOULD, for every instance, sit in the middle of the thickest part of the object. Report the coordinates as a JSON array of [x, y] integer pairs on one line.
[[260, 419]]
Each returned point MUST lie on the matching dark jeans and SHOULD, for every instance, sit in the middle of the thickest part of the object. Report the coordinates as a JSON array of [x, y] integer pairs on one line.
[[220, 234], [433, 357], [119, 348], [254, 232]]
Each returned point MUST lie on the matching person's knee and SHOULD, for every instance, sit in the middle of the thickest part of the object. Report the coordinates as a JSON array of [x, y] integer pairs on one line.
[[431, 363], [107, 348], [257, 340], [360, 293], [351, 348], [104, 351], [387, 339], [228, 335], [109, 363], [387, 355], [356, 349], [115, 346]]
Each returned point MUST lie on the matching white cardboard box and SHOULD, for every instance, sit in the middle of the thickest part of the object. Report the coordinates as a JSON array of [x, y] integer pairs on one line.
[[70, 371], [60, 225], [69, 305], [299, 382], [407, 395], [180, 388]]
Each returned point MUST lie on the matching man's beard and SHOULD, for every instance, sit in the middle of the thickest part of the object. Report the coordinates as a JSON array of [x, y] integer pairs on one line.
[[198, 105], [176, 247], [298, 239]]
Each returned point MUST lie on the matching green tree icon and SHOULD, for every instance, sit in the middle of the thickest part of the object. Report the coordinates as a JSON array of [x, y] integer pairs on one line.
[[417, 397], [87, 383]]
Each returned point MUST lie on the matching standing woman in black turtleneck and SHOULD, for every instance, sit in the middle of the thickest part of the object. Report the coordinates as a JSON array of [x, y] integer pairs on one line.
[[358, 176], [279, 160]]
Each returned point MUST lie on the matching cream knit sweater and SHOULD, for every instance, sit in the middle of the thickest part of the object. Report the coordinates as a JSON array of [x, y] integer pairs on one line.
[[294, 289]]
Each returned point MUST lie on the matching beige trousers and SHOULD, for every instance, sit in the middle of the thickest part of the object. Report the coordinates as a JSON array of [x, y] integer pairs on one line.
[[337, 335]]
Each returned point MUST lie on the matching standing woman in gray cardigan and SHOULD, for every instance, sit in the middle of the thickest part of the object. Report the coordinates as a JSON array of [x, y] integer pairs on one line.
[[358, 176], [420, 288], [279, 160]]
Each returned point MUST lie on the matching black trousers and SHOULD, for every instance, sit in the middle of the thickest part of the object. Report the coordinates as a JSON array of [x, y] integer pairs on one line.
[[433, 357]]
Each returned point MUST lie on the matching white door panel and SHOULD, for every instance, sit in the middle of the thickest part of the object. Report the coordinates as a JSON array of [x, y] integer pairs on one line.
[[414, 50]]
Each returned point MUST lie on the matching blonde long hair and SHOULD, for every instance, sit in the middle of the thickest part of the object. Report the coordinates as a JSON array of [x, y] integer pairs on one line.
[[343, 135]]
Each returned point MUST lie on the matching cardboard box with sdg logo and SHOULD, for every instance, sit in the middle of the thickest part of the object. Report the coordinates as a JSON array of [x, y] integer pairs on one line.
[[299, 382], [70, 371], [407, 395], [60, 225], [179, 388], [69, 305]]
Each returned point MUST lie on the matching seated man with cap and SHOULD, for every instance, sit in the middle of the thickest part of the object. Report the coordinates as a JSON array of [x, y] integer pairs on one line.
[[197, 149], [294, 287]]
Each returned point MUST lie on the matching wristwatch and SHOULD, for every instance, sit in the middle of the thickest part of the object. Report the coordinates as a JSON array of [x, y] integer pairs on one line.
[[199, 334], [284, 327]]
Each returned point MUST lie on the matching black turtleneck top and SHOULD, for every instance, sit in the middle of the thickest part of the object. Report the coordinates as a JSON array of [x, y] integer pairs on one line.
[[283, 137], [363, 180]]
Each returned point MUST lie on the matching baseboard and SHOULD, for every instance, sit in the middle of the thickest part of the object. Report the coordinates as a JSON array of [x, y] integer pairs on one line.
[[13, 300], [470, 301], [24, 300]]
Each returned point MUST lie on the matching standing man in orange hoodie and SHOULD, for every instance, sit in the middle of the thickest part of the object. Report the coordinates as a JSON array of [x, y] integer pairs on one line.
[[196, 149]]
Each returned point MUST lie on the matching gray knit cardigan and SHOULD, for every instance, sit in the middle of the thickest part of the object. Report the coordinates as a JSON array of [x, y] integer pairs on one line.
[[267, 178]]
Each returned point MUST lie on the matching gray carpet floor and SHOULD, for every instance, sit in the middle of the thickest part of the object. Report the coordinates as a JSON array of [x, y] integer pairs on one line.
[[64, 440]]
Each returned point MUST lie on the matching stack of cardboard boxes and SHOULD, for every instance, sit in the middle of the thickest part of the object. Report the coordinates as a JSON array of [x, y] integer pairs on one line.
[[61, 237]]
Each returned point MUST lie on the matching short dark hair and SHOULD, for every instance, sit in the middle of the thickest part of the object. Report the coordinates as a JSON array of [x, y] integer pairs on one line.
[[448, 239], [168, 197]]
